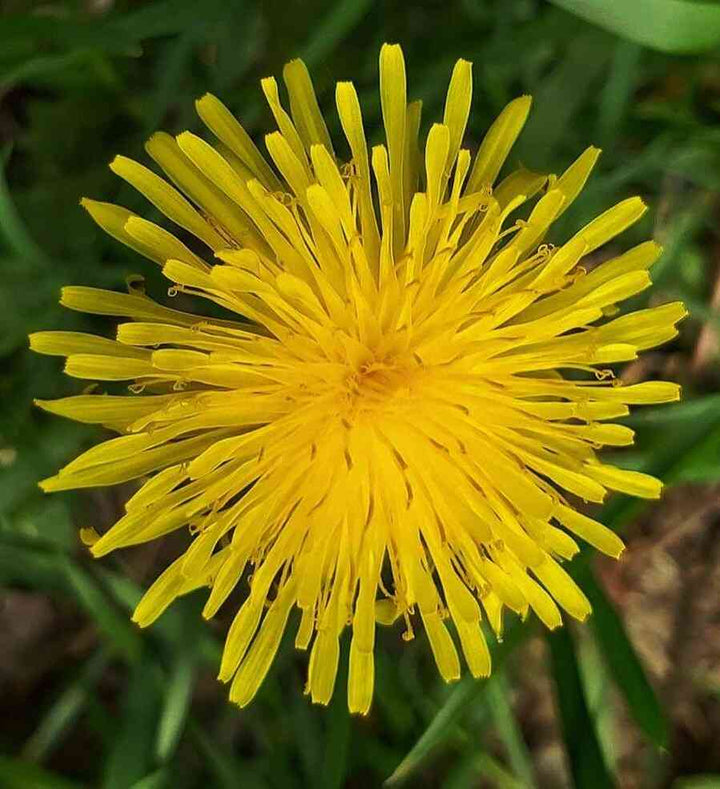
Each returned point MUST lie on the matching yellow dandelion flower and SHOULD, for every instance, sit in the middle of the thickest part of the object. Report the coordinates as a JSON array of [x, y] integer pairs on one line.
[[386, 430]]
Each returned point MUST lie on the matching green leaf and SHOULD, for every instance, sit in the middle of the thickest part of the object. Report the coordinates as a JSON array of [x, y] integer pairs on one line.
[[560, 97], [177, 703], [469, 767], [470, 770], [669, 455], [64, 711], [623, 663], [698, 782], [111, 622], [683, 413], [29, 568], [130, 758], [170, 73], [13, 229], [162, 18], [498, 776], [702, 461], [228, 771], [157, 780], [677, 235], [617, 92], [687, 448], [467, 693], [338, 733], [503, 716], [668, 25], [180, 623], [586, 761], [334, 27], [17, 774], [44, 67]]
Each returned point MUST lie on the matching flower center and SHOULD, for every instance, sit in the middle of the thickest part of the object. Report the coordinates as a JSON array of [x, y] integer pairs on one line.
[[374, 385]]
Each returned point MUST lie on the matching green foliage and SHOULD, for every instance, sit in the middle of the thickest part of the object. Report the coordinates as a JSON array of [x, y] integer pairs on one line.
[[18, 774], [65, 710], [498, 694], [84, 81], [625, 667], [587, 763], [667, 25], [467, 694], [698, 782]]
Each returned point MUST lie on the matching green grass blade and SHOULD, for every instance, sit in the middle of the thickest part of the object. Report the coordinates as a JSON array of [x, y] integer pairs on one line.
[[617, 93], [111, 622], [162, 18], [585, 758], [677, 233], [333, 28], [156, 780], [42, 68], [228, 771], [27, 567], [64, 711], [685, 412], [130, 758], [338, 733], [465, 694], [470, 771], [677, 26], [496, 774], [17, 774], [623, 663], [12, 228], [702, 461], [669, 455], [498, 694], [176, 705], [698, 782], [559, 99]]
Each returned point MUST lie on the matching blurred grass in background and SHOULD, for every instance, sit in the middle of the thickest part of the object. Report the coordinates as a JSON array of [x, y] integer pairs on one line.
[[89, 700]]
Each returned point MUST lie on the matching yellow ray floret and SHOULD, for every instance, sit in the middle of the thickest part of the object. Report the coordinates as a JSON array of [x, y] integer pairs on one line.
[[383, 425]]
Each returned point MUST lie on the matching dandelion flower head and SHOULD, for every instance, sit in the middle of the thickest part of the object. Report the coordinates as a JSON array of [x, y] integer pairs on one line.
[[405, 395]]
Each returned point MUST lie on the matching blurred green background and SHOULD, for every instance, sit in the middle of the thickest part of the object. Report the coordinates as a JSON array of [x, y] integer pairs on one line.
[[633, 698]]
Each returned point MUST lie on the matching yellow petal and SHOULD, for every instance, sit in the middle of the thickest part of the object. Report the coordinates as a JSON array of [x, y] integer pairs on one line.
[[497, 143]]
